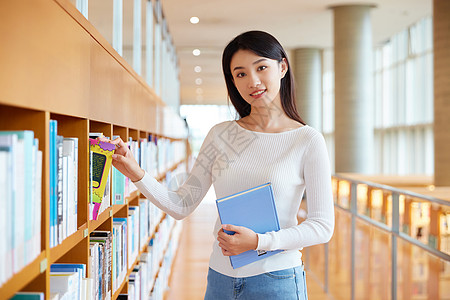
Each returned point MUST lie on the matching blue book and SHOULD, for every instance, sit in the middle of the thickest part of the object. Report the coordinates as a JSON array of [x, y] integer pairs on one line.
[[255, 209], [69, 268], [52, 184], [28, 296]]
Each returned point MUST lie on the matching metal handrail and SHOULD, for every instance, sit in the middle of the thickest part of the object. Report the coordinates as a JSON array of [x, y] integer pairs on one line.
[[395, 190], [393, 230]]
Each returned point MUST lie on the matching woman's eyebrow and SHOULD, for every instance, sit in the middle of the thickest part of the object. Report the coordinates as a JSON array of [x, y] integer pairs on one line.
[[254, 63]]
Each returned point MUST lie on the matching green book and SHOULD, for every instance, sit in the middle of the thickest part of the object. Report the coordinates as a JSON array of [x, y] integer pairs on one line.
[[28, 296]]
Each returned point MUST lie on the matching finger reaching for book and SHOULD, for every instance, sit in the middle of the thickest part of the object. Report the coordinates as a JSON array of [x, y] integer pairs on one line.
[[123, 160]]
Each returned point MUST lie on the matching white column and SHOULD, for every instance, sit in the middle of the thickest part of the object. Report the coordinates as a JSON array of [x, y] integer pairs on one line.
[[307, 68], [353, 62]]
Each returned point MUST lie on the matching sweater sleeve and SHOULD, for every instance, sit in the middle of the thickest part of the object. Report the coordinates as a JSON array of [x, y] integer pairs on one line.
[[319, 224], [184, 200]]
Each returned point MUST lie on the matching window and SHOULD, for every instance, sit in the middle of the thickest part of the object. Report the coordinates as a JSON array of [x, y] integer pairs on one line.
[[404, 102]]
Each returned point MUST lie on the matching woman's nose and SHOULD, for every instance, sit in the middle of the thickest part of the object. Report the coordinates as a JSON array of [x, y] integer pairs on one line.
[[254, 81]]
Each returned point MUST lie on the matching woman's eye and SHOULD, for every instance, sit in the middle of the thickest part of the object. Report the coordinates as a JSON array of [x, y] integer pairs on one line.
[[262, 68], [240, 75]]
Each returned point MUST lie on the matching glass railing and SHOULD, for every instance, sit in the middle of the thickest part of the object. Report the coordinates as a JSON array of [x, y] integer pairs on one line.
[[388, 243]]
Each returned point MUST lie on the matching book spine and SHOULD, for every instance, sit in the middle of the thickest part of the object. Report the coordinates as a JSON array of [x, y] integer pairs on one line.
[[30, 195], [59, 188], [53, 177], [37, 205], [75, 184], [19, 207]]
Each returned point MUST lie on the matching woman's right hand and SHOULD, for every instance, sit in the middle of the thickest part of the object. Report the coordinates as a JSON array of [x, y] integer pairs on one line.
[[123, 160]]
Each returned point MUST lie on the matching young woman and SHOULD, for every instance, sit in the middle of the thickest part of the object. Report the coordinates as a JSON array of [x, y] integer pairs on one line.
[[268, 143]]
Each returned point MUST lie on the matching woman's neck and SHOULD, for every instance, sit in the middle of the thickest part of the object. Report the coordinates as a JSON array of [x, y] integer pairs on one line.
[[270, 119]]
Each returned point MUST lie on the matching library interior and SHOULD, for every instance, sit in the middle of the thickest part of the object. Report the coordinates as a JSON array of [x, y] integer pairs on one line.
[[372, 77]]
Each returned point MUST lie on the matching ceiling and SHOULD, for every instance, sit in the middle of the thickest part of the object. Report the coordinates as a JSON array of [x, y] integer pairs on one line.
[[295, 23]]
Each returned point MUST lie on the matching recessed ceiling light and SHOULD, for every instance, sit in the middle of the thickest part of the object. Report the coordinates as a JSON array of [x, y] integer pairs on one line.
[[194, 20], [198, 81], [196, 52], [197, 69]]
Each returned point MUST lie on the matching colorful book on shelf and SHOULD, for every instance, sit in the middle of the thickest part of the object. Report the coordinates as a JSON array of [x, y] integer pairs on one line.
[[101, 159], [255, 209]]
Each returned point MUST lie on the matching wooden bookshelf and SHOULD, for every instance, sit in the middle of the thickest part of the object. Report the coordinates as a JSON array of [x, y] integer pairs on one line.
[[56, 66]]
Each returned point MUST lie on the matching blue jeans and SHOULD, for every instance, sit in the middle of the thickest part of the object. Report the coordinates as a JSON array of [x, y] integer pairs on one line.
[[288, 284]]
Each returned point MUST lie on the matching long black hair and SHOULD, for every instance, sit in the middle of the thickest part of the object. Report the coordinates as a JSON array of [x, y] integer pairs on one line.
[[265, 45]]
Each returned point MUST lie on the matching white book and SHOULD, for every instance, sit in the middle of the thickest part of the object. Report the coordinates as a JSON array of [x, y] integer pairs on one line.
[[94, 253], [88, 286], [65, 283], [131, 288], [70, 149], [4, 174], [19, 207], [29, 251], [83, 287], [65, 201], [9, 143], [37, 205], [54, 296]]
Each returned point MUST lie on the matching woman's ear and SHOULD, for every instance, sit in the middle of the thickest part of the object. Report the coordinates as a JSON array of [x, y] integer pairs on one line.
[[284, 67]]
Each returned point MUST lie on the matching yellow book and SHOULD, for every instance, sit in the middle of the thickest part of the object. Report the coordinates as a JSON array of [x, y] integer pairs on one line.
[[100, 164]]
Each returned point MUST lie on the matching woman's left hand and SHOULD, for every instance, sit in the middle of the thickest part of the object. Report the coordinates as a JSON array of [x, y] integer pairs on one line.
[[243, 240]]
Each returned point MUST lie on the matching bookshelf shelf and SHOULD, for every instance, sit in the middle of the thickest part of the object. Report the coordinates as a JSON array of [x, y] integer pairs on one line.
[[23, 278], [120, 289], [102, 218], [118, 207], [60, 250]]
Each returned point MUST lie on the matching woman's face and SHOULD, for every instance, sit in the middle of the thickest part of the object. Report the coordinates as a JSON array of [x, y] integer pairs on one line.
[[257, 78]]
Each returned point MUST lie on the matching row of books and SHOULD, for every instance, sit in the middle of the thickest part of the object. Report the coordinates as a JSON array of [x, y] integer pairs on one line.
[[153, 155], [100, 263], [169, 152], [20, 202], [63, 185], [149, 278], [20, 213], [162, 281], [107, 256], [130, 235], [156, 155], [67, 282]]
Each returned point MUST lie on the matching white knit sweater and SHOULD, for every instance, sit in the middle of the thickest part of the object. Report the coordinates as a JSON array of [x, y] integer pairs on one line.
[[234, 159]]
